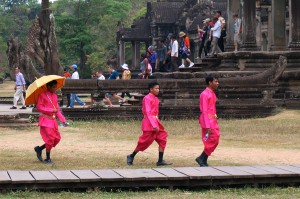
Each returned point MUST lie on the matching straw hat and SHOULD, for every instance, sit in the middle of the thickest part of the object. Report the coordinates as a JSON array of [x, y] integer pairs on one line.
[[181, 34]]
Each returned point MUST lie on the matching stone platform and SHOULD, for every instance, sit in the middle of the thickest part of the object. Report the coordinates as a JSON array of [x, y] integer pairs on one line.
[[176, 177]]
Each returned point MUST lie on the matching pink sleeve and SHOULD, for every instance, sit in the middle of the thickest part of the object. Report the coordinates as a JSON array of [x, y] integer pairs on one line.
[[147, 104], [42, 106], [204, 110]]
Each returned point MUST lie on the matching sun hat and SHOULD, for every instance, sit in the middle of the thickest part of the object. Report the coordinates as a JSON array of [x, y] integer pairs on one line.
[[181, 34], [125, 66]]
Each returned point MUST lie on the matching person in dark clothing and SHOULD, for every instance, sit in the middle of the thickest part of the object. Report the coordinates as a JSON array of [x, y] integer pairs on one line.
[[162, 55], [205, 35]]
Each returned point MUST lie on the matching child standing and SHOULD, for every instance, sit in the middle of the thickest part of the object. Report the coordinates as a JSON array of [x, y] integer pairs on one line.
[[48, 107], [151, 126]]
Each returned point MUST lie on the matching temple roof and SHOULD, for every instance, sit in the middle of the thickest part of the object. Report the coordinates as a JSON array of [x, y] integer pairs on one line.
[[166, 12], [140, 30]]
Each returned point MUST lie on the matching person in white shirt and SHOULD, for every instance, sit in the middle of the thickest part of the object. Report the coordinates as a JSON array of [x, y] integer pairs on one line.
[[214, 37], [100, 76], [174, 53], [74, 96]]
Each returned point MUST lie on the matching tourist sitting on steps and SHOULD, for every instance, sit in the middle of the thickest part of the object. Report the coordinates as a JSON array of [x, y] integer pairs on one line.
[[114, 75]]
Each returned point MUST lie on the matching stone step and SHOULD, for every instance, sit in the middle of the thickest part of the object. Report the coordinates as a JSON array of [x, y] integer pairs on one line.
[[17, 125], [191, 70]]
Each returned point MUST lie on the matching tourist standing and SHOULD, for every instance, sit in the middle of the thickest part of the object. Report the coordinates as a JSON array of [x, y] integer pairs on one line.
[[151, 126], [20, 88], [185, 50], [174, 53], [237, 32], [162, 55], [218, 14], [214, 37], [74, 96], [146, 68], [48, 107], [67, 75], [204, 38], [126, 76], [208, 120], [152, 58]]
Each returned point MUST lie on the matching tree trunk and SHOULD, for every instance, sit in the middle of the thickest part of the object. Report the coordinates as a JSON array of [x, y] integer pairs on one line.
[[41, 50]]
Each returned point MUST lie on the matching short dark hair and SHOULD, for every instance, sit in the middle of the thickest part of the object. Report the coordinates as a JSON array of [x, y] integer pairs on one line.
[[210, 78], [162, 40], [17, 67], [219, 12], [152, 84], [52, 83], [173, 37], [235, 15]]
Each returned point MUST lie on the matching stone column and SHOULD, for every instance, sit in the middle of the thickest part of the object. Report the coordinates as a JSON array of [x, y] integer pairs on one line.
[[278, 25], [249, 25], [233, 7], [258, 25], [136, 54], [121, 52], [269, 28], [294, 36]]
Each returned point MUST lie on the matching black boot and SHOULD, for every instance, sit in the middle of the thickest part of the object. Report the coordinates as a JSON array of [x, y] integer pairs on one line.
[[48, 159], [205, 160], [130, 158], [38, 151], [160, 161], [201, 160]]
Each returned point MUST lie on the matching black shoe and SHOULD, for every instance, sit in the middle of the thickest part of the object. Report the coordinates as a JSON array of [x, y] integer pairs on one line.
[[129, 160], [48, 161], [38, 153], [201, 163], [163, 163], [23, 107], [13, 107]]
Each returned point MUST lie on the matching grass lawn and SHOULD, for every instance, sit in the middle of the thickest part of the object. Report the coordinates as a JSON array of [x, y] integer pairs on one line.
[[105, 144], [230, 193]]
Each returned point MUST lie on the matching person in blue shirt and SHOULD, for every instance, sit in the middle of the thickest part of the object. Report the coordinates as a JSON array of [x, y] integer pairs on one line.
[[19, 88], [114, 75], [152, 58]]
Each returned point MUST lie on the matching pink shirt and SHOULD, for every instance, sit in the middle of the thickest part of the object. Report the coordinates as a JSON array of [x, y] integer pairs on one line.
[[207, 108], [45, 107], [150, 111]]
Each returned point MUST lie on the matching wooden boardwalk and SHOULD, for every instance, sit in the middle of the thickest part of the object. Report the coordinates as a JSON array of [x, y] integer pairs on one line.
[[181, 177]]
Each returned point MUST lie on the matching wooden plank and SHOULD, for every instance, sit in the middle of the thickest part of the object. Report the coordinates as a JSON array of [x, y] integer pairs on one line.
[[255, 171], [4, 177], [171, 174], [21, 177], [140, 174], [193, 173], [234, 172], [290, 168], [108, 175], [279, 172], [214, 173], [86, 175], [65, 176], [43, 176]]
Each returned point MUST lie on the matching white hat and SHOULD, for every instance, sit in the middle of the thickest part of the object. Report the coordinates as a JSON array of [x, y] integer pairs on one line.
[[125, 66]]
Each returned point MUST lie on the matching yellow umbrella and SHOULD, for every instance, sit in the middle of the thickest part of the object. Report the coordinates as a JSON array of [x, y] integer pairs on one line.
[[39, 86]]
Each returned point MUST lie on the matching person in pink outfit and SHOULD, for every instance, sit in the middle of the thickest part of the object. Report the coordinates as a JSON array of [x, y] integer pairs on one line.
[[151, 126], [208, 120], [48, 106]]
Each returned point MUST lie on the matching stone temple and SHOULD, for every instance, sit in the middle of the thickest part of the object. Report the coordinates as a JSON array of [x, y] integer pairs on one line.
[[268, 25]]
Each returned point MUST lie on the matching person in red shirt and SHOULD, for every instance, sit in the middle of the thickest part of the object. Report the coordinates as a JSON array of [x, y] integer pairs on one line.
[[151, 126], [67, 75], [185, 50]]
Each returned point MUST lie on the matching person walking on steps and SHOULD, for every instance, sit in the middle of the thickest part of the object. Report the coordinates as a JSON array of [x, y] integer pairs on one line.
[[20, 88], [185, 50], [151, 126], [208, 120], [48, 107]]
